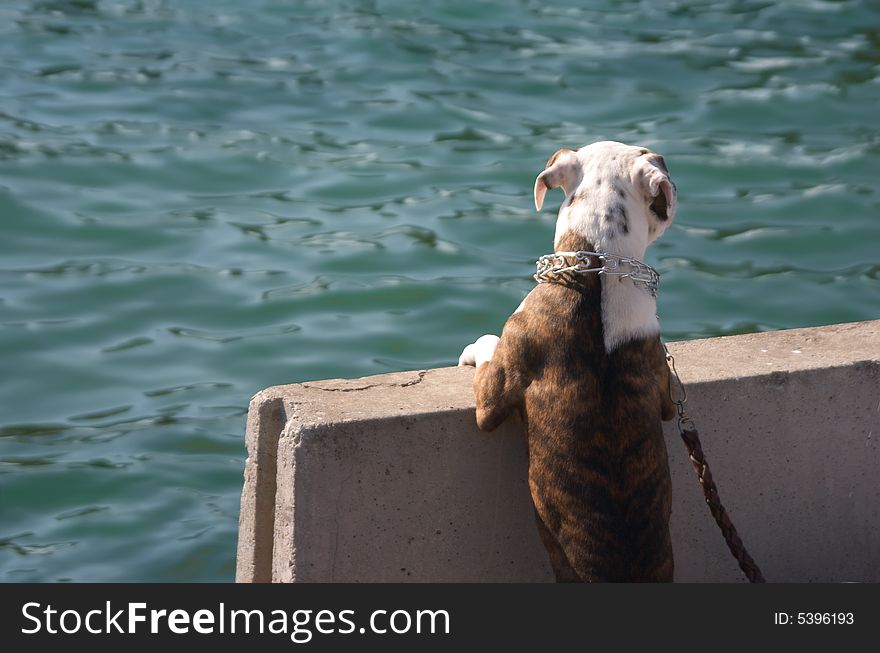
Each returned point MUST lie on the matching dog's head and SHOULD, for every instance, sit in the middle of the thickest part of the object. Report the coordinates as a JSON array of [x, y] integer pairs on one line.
[[620, 197]]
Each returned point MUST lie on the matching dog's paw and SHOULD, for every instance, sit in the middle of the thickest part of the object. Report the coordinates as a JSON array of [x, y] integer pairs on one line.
[[478, 352], [467, 357]]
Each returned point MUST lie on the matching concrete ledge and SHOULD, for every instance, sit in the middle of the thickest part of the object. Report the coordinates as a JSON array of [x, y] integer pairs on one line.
[[387, 478]]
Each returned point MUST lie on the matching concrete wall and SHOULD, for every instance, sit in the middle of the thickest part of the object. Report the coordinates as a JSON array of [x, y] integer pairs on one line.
[[387, 478]]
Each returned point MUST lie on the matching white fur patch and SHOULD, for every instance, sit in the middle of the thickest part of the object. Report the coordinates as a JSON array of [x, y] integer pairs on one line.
[[628, 312]]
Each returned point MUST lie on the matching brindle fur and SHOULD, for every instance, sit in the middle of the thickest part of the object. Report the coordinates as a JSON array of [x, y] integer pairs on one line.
[[598, 471]]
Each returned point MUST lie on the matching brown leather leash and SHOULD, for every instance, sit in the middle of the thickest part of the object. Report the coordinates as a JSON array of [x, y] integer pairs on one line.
[[691, 438]]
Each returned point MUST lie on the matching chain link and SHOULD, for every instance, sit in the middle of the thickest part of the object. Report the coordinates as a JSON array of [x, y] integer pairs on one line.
[[567, 265], [684, 422]]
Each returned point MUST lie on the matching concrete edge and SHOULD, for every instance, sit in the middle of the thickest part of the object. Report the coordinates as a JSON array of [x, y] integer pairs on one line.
[[266, 418], [281, 417]]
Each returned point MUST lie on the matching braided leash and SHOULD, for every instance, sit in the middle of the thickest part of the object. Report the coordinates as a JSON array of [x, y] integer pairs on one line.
[[710, 491], [695, 452]]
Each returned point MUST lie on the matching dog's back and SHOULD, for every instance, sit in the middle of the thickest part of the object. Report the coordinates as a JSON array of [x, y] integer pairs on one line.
[[598, 471]]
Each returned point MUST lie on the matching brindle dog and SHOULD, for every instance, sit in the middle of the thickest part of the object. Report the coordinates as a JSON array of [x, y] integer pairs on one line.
[[584, 366]]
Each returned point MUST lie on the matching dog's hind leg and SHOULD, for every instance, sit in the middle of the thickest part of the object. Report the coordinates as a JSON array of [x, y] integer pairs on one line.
[[562, 568]]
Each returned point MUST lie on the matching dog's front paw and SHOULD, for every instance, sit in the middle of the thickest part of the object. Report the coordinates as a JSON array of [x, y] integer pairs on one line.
[[478, 352], [467, 357]]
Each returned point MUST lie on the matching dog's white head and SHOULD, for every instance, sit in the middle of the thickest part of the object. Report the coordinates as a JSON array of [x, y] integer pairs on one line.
[[620, 197]]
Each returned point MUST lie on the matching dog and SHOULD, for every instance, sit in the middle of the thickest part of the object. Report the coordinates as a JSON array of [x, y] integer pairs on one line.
[[582, 362]]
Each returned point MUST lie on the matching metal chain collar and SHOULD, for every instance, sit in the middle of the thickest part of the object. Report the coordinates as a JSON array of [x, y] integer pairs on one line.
[[565, 266]]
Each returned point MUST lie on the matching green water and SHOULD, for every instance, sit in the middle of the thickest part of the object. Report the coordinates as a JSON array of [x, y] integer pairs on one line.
[[202, 198]]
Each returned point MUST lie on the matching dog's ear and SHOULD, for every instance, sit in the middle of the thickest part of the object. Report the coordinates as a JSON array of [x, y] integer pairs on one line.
[[652, 176], [562, 169]]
